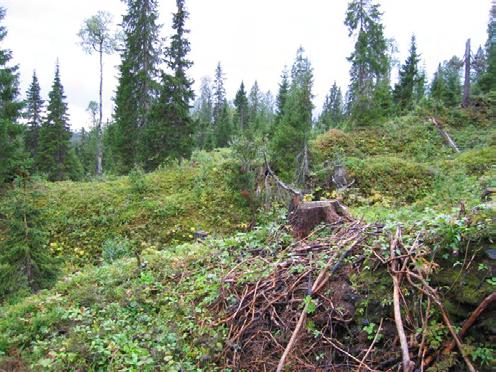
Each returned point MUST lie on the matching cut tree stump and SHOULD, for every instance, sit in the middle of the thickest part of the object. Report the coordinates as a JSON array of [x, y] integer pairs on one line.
[[307, 215]]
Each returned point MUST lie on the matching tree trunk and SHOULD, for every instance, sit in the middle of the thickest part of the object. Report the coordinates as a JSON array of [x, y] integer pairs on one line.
[[308, 215], [466, 85], [445, 134], [99, 146]]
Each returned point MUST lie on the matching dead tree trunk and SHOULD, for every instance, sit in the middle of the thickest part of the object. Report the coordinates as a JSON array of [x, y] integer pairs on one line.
[[307, 215], [445, 134], [466, 84]]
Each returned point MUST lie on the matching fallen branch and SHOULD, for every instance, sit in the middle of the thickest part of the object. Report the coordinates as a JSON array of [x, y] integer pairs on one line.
[[466, 325], [407, 363], [278, 180], [321, 280], [445, 134], [370, 347]]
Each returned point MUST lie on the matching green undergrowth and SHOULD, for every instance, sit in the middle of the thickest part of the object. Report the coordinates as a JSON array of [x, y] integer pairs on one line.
[[162, 316], [119, 317], [156, 209]]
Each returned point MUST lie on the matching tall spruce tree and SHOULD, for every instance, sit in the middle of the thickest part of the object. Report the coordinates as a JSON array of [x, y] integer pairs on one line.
[[55, 157], [254, 106], [241, 105], [33, 115], [488, 79], [137, 86], [289, 145], [446, 86], [332, 110], [219, 93], [25, 261], [11, 147], [370, 62], [409, 88], [221, 118], [170, 131], [203, 115], [282, 95]]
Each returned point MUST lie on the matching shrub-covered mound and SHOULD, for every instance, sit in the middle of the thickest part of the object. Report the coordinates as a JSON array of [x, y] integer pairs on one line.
[[167, 206]]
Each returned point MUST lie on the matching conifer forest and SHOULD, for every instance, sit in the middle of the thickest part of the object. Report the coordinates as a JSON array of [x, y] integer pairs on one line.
[[189, 227]]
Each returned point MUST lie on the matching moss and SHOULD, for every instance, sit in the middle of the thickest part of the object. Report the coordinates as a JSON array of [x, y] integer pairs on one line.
[[332, 144], [401, 179], [477, 161]]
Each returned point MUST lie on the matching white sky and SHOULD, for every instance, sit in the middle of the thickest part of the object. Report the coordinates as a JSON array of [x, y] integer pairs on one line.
[[253, 39]]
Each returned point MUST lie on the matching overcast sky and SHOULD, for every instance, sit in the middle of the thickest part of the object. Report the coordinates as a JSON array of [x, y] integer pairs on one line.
[[253, 39]]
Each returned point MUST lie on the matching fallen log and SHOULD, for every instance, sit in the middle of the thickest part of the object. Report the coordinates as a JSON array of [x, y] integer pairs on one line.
[[451, 143]]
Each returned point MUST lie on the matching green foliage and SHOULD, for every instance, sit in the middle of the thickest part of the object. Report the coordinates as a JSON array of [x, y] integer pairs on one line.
[[370, 63], [484, 355], [115, 249], [399, 179], [293, 130], [159, 208], [137, 85], [55, 157], [25, 262], [12, 157]]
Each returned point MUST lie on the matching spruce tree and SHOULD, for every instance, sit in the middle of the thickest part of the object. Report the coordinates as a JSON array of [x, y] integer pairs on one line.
[[479, 66], [25, 261], [446, 86], [203, 115], [55, 157], [370, 63], [332, 110], [254, 106], [219, 93], [221, 118], [289, 145], [488, 79], [33, 115], [223, 126], [137, 86], [407, 91], [170, 131], [241, 104], [12, 157], [282, 95]]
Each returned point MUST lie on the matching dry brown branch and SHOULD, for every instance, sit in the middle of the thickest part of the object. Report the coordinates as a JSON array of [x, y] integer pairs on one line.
[[371, 346], [407, 363]]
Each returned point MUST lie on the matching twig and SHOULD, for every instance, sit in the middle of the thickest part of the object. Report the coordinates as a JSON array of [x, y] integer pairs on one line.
[[370, 347], [466, 325], [407, 363], [322, 278]]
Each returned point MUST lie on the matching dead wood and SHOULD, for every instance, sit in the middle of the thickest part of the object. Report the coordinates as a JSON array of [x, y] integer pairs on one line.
[[447, 138], [308, 215]]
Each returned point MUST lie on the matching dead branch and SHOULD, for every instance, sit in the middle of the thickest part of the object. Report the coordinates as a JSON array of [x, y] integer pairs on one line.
[[371, 346], [466, 326], [449, 141], [407, 363], [278, 180], [322, 278]]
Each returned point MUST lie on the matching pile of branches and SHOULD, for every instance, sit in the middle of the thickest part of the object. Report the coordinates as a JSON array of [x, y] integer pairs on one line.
[[302, 315]]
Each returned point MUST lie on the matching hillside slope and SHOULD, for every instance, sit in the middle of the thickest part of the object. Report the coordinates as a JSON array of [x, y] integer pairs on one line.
[[234, 300]]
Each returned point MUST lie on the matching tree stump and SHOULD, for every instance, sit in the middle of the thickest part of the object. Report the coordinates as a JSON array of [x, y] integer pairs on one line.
[[307, 215]]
